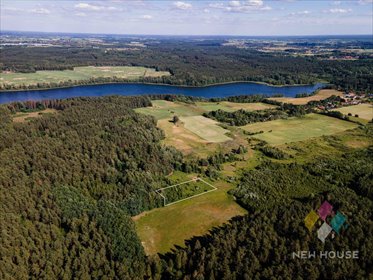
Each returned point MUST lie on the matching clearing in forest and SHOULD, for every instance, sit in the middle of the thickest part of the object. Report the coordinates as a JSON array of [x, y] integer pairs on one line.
[[298, 129], [21, 117], [161, 228], [79, 74]]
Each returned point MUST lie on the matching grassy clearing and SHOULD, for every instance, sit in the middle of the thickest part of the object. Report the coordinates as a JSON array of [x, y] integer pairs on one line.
[[78, 74], [24, 117], [298, 129], [321, 95], [206, 128], [162, 228], [163, 109], [365, 111]]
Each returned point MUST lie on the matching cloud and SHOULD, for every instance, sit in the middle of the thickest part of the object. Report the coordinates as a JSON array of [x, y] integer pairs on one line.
[[182, 5], [241, 6], [338, 11], [300, 13], [89, 7], [147, 17]]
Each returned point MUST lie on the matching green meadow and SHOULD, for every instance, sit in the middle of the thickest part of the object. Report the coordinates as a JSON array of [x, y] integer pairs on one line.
[[298, 129]]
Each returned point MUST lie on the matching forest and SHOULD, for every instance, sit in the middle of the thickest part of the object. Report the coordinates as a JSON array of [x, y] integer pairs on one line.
[[194, 63], [72, 180]]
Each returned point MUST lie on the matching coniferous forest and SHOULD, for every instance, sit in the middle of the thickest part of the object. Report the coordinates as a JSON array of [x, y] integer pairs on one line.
[[70, 182]]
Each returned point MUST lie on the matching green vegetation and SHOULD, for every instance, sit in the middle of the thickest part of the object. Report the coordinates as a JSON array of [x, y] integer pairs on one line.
[[364, 111], [79, 75], [185, 190], [71, 180], [78, 193], [298, 129]]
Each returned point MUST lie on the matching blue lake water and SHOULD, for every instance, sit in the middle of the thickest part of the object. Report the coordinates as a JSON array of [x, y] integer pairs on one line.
[[223, 90]]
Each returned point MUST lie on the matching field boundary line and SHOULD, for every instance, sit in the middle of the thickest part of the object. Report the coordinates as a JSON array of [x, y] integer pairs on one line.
[[193, 180]]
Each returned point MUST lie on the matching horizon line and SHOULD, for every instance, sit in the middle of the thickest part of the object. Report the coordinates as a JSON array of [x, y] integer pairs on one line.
[[181, 35]]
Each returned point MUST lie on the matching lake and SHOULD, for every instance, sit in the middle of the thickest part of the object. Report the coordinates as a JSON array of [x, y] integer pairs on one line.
[[221, 90]]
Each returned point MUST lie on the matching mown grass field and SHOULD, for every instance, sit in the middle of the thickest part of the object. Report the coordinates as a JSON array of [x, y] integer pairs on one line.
[[78, 74], [206, 128], [322, 94], [365, 111], [298, 129], [162, 228]]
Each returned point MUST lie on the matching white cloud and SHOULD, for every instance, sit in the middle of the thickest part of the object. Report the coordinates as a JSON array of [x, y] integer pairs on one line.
[[338, 11], [182, 5], [241, 6], [41, 11], [254, 3], [89, 7], [147, 17]]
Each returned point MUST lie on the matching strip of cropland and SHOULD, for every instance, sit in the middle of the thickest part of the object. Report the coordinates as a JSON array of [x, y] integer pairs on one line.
[[78, 74]]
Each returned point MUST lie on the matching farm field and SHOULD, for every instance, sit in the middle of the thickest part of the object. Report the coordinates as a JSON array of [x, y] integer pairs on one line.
[[206, 128], [162, 228], [365, 111], [78, 74], [298, 129], [322, 94]]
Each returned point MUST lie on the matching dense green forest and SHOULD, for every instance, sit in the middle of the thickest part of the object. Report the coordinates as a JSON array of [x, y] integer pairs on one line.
[[70, 182], [196, 64]]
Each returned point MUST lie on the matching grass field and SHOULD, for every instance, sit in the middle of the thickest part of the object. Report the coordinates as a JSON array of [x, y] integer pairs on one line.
[[298, 129], [185, 190], [206, 128], [78, 74], [365, 111], [322, 94], [163, 109], [162, 228]]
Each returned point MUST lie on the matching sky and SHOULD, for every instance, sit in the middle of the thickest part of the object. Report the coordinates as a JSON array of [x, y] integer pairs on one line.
[[248, 17]]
